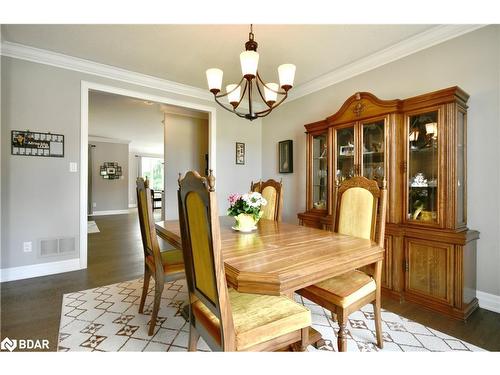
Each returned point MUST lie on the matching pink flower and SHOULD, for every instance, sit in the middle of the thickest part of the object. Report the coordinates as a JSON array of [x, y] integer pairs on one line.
[[233, 198]]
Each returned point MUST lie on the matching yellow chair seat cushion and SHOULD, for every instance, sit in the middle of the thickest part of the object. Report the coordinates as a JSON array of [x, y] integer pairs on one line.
[[257, 318], [171, 260], [345, 289]]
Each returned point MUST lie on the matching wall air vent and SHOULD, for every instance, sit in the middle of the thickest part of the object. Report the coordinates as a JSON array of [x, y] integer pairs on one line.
[[66, 245], [49, 247], [56, 246]]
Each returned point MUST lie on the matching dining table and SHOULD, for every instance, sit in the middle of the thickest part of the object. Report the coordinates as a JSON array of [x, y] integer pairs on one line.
[[280, 258]]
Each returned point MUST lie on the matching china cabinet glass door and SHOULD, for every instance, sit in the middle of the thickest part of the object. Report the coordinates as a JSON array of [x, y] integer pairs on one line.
[[320, 171], [373, 159], [345, 153], [423, 165]]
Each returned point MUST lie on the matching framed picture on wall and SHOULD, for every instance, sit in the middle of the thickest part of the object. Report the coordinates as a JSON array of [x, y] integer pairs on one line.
[[28, 143], [240, 153], [285, 149]]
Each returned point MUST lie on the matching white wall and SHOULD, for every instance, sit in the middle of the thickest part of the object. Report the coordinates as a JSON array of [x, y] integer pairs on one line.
[[472, 62], [109, 195], [133, 173], [40, 197], [186, 143]]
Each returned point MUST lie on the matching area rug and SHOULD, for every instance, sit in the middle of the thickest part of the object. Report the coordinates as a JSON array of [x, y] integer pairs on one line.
[[107, 319], [92, 227]]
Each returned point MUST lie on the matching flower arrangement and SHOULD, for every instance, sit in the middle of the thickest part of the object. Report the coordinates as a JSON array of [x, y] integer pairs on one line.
[[246, 209], [250, 203]]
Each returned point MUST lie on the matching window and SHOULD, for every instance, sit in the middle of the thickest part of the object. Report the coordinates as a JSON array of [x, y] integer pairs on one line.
[[152, 169]]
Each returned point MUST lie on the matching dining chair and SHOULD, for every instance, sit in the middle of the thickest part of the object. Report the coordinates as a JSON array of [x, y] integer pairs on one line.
[[156, 199], [227, 319], [162, 266], [272, 191], [360, 212], [255, 186]]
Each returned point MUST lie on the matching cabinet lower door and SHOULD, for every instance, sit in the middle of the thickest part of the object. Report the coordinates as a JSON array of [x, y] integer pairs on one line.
[[429, 269]]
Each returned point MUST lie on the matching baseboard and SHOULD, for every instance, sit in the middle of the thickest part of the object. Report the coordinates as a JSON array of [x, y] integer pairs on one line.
[[110, 212], [41, 269], [132, 205], [488, 301]]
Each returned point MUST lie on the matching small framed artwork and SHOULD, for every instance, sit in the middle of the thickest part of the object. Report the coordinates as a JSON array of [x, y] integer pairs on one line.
[[240, 153], [285, 150], [110, 170]]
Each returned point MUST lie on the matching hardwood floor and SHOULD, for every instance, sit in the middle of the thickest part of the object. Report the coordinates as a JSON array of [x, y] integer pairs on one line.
[[31, 308]]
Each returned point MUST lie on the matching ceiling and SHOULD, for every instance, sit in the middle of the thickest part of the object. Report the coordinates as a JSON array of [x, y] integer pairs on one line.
[[182, 53], [130, 120]]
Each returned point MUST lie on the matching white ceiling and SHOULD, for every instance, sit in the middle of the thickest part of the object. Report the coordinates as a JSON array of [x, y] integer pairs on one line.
[[182, 53], [117, 118]]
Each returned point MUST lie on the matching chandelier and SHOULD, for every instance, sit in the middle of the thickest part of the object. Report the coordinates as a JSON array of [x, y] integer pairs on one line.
[[235, 93]]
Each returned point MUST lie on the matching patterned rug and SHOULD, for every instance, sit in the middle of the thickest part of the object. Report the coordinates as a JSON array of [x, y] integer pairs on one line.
[[107, 319], [92, 227]]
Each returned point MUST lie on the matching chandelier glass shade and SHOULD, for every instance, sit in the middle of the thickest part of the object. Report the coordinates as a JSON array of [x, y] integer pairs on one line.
[[272, 94]]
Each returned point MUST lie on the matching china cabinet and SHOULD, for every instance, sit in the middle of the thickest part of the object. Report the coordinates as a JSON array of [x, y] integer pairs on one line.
[[418, 145]]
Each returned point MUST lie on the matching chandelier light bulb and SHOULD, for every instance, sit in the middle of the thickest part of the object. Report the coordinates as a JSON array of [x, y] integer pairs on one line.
[[233, 97], [271, 93], [214, 79], [286, 72], [249, 62]]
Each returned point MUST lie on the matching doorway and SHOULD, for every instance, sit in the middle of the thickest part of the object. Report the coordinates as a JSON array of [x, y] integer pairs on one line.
[[153, 170], [86, 88]]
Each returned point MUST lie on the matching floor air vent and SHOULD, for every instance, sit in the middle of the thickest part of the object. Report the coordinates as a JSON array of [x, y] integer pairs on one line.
[[55, 246]]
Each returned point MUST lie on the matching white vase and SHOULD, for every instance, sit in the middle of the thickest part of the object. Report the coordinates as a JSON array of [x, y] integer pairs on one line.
[[245, 222]]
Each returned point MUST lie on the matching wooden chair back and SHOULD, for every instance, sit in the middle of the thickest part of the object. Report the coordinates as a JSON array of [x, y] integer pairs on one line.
[[255, 186], [361, 209], [272, 191], [146, 222], [201, 246]]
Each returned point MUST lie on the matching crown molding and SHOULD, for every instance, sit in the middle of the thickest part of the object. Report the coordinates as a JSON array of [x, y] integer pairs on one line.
[[41, 56], [59, 60], [416, 43]]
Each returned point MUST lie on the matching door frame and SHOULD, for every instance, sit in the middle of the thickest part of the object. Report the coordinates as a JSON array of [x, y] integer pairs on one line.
[[86, 87]]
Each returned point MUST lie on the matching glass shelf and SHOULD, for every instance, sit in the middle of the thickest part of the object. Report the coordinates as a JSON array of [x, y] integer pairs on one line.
[[374, 150], [423, 163], [345, 153], [319, 171]]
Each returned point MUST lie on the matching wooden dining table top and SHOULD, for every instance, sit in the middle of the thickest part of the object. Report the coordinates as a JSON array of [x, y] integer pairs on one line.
[[280, 258]]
